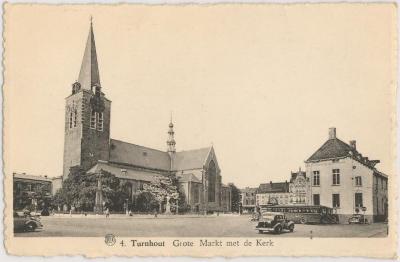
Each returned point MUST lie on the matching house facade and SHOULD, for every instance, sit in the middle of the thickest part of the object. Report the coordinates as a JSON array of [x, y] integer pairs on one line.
[[294, 192], [30, 191], [87, 144], [344, 179], [248, 199]]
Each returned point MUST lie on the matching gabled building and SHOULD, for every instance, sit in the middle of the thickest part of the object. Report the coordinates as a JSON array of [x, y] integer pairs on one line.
[[294, 192], [30, 191], [87, 144], [344, 179], [248, 199]]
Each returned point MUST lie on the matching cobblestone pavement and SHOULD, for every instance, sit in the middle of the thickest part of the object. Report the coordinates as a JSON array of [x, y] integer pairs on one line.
[[187, 226]]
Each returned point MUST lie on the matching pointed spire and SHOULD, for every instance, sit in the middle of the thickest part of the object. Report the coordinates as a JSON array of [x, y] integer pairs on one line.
[[171, 141], [89, 73]]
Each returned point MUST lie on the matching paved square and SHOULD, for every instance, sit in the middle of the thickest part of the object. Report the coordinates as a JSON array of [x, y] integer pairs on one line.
[[186, 226]]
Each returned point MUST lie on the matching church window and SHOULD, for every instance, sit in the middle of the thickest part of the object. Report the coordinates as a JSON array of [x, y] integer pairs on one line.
[[75, 117], [70, 120], [100, 121], [93, 120], [211, 181]]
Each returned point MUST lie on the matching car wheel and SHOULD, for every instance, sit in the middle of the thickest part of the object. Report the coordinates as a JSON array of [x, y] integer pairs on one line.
[[291, 228], [278, 230], [302, 220], [30, 227]]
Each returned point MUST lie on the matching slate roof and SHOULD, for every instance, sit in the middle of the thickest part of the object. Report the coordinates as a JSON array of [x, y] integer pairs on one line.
[[188, 178], [31, 177], [89, 73], [191, 159], [336, 148], [280, 187], [249, 190], [123, 172], [135, 155]]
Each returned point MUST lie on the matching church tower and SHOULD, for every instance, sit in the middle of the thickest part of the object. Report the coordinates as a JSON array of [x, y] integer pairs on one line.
[[87, 115]]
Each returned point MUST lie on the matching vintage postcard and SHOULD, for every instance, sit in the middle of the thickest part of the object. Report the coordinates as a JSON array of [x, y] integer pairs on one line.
[[200, 130]]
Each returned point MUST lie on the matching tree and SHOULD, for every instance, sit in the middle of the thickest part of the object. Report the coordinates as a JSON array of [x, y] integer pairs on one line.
[[146, 202], [79, 190], [163, 190], [235, 196]]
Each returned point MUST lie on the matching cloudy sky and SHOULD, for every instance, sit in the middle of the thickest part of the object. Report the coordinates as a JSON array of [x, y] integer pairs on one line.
[[261, 83]]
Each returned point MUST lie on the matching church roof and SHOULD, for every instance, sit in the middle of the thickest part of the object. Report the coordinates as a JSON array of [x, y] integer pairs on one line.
[[191, 159], [89, 73], [123, 172], [188, 178], [135, 155]]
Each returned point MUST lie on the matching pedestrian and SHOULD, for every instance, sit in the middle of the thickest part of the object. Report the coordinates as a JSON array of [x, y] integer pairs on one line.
[[107, 213], [130, 213]]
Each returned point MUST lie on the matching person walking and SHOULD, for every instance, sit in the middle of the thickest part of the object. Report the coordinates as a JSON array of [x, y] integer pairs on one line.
[[107, 212]]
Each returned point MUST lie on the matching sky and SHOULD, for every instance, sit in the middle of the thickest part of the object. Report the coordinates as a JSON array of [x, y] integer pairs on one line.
[[261, 83]]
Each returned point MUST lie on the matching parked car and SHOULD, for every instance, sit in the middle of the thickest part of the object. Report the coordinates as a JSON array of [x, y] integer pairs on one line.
[[358, 219], [26, 222], [274, 222]]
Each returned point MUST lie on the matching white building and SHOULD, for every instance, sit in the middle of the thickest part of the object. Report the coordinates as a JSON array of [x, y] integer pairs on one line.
[[344, 179]]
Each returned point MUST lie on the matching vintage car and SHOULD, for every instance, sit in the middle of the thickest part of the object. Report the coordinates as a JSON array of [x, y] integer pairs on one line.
[[275, 222], [24, 221], [358, 219]]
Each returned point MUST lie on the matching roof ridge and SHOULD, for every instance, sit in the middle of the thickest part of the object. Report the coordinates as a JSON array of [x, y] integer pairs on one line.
[[195, 149]]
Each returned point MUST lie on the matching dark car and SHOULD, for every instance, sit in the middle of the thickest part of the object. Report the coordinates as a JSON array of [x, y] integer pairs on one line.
[[24, 221], [274, 222], [358, 219]]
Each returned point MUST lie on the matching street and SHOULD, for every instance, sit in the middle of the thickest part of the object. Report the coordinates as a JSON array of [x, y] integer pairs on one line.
[[186, 226]]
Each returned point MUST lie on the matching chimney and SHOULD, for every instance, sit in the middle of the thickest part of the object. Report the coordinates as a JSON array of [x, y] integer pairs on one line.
[[332, 133], [353, 144]]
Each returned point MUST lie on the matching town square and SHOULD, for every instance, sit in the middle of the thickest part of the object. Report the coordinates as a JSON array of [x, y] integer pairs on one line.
[[138, 145], [188, 226]]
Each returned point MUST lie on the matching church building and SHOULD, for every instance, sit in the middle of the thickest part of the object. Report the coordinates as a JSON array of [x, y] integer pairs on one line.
[[87, 144]]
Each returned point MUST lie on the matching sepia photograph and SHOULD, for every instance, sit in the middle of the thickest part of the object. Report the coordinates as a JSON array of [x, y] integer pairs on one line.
[[250, 122]]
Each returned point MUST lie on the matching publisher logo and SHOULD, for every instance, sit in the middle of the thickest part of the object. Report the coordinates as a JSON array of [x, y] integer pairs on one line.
[[109, 239]]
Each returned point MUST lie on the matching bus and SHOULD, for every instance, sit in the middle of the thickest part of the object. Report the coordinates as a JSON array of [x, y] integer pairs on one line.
[[304, 214]]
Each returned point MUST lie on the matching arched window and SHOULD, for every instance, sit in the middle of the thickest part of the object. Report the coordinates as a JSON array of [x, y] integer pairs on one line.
[[70, 119], [212, 177], [100, 121], [75, 117], [93, 119]]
